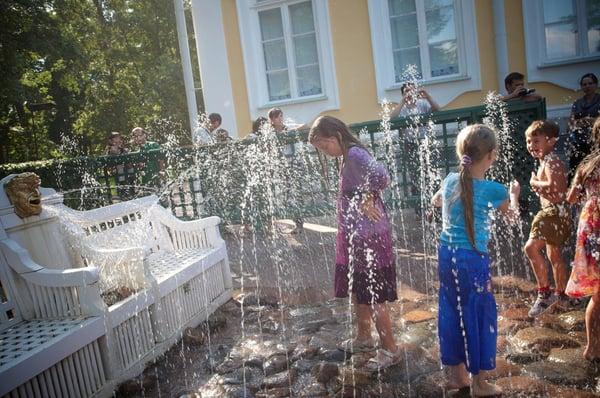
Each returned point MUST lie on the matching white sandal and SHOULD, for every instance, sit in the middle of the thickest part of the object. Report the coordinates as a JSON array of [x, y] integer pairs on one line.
[[355, 346], [383, 359]]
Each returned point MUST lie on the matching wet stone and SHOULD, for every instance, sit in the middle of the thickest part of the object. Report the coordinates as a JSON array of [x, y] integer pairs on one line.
[[237, 392], [314, 390], [516, 314], [522, 386], [541, 339], [304, 352], [415, 362], [431, 386], [423, 334], [194, 336], [304, 365], [572, 321], [509, 326], [335, 355], [558, 373], [322, 341], [355, 377], [275, 364], [417, 316], [278, 392], [524, 357], [504, 369], [282, 379], [228, 366], [325, 371], [255, 362]]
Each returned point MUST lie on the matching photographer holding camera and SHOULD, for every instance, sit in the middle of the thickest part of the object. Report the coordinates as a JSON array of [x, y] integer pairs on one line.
[[515, 87]]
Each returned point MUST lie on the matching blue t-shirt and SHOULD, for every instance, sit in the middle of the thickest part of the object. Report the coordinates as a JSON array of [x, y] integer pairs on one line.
[[487, 195]]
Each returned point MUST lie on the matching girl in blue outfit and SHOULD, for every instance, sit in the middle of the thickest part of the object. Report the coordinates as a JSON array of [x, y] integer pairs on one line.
[[467, 324]]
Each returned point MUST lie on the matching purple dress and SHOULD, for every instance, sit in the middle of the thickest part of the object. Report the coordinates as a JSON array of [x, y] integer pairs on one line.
[[364, 255]]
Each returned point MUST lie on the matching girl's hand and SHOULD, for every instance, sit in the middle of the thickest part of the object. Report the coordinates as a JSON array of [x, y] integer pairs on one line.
[[369, 209]]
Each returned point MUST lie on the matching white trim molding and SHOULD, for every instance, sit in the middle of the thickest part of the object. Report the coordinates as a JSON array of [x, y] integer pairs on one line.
[[299, 109], [443, 89], [562, 72], [214, 64]]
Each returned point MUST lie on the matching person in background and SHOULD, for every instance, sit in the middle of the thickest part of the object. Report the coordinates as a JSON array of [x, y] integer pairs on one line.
[[289, 150], [414, 102], [152, 168], [583, 113], [210, 131], [514, 83], [257, 126], [116, 146]]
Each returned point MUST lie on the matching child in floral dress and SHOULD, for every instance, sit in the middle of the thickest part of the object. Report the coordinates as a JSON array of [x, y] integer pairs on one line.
[[585, 273]]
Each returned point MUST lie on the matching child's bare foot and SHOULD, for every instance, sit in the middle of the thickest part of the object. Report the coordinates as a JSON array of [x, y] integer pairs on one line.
[[591, 354], [458, 377], [482, 388]]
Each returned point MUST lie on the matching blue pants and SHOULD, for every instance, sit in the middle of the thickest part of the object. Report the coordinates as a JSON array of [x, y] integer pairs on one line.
[[468, 318]]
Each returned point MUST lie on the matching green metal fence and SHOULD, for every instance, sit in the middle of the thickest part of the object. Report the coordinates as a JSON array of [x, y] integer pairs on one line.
[[220, 180]]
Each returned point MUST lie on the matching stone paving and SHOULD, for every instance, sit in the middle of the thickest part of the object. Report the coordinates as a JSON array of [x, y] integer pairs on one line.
[[279, 339], [280, 351]]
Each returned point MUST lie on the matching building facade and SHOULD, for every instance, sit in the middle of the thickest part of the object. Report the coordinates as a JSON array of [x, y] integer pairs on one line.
[[345, 57]]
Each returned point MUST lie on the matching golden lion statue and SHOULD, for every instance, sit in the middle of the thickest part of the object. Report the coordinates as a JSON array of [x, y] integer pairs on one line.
[[24, 194]]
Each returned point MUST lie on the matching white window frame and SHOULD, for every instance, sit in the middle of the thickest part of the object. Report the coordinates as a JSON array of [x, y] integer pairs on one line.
[[582, 50], [564, 72], [254, 62], [443, 88]]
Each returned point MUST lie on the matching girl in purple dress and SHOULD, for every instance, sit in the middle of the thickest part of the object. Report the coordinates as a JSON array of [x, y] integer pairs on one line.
[[365, 264]]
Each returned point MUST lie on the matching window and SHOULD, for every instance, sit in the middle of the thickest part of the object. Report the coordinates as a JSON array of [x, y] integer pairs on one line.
[[571, 29], [288, 56], [291, 57], [423, 34]]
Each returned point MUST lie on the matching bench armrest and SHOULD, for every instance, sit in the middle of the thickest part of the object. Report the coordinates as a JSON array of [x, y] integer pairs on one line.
[[55, 293], [189, 234]]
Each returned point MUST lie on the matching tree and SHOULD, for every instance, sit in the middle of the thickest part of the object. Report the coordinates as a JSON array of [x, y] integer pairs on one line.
[[106, 65]]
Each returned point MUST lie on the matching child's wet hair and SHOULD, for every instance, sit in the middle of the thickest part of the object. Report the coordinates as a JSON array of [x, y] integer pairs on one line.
[[473, 142], [590, 165], [329, 126], [546, 128]]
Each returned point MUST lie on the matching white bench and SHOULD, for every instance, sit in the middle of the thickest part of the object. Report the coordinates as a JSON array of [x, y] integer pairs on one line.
[[57, 335]]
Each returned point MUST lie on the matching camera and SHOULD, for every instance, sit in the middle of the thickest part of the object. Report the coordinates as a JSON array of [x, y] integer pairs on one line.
[[527, 91]]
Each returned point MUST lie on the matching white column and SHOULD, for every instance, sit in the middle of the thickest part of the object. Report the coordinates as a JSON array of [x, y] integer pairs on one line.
[[501, 38], [214, 65], [186, 64]]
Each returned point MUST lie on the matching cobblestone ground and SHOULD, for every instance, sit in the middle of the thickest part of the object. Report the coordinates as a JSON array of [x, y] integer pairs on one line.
[[278, 337]]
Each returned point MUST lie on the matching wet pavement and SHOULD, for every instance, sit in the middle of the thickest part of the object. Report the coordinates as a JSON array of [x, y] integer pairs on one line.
[[278, 337]]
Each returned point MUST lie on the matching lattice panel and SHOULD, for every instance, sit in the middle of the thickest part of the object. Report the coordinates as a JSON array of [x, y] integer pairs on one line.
[[81, 374], [8, 308], [27, 336], [135, 338]]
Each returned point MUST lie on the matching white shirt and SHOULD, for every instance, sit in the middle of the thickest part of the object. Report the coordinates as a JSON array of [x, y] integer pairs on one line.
[[202, 136]]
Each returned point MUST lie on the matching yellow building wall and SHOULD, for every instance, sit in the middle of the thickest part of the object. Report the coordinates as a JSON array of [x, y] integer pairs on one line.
[[515, 30], [355, 70], [236, 67]]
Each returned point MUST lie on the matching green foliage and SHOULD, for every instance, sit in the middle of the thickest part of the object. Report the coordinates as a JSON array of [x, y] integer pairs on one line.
[[106, 65]]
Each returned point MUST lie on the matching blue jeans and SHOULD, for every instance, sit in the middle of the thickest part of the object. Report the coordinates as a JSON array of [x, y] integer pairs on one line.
[[468, 318]]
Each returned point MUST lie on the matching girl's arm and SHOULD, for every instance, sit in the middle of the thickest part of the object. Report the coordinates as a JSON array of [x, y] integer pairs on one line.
[[372, 175], [574, 193], [510, 207], [436, 201]]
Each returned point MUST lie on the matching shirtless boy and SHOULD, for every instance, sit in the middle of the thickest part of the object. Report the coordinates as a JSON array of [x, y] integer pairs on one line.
[[551, 227]]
